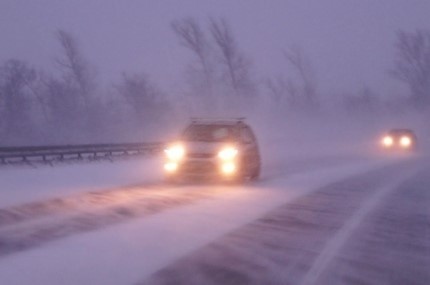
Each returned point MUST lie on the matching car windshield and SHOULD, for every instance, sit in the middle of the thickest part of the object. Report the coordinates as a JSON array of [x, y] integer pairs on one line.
[[209, 133]]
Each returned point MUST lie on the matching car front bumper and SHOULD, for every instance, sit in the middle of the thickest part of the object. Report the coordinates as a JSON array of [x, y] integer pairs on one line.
[[202, 169]]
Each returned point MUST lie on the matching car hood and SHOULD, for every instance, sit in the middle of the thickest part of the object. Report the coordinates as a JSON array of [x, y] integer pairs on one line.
[[204, 147]]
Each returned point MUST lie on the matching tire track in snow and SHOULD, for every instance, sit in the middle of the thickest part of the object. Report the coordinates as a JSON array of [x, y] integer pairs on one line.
[[334, 245], [29, 225], [111, 197], [280, 247], [18, 238], [63, 205], [392, 244]]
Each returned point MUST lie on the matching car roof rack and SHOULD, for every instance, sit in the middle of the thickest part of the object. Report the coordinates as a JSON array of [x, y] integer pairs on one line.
[[198, 120]]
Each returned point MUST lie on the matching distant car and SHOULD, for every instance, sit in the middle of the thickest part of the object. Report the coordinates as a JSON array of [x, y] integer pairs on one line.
[[399, 139], [225, 149]]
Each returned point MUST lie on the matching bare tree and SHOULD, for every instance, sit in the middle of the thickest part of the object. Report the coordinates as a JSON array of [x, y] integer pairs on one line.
[[236, 64], [76, 71], [17, 81], [65, 112], [412, 65], [142, 96], [283, 92], [364, 103], [306, 74], [193, 38], [71, 106]]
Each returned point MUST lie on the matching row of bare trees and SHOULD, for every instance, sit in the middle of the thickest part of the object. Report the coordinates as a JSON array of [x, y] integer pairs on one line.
[[220, 76], [297, 92], [69, 106]]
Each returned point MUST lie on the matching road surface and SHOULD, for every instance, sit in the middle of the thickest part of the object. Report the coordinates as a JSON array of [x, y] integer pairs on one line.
[[311, 221]]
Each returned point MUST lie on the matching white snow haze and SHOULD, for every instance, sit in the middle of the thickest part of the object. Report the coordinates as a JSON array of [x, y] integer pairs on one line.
[[94, 95]]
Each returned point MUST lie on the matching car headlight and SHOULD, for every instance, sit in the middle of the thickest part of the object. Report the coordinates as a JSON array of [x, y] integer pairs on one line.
[[387, 141], [228, 153], [175, 152], [170, 167], [228, 168], [405, 141]]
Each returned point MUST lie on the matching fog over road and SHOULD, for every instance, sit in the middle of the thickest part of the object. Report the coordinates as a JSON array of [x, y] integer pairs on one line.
[[327, 220]]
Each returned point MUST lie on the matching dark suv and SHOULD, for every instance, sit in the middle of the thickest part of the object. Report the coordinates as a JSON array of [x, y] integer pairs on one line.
[[225, 149]]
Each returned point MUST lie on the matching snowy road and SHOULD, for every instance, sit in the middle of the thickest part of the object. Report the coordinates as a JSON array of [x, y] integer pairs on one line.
[[373, 228], [314, 221]]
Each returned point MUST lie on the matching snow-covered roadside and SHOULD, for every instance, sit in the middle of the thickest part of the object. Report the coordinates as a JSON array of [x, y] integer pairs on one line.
[[127, 253], [22, 184]]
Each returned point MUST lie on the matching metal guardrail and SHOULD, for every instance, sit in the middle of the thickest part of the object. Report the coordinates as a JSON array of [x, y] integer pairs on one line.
[[50, 154]]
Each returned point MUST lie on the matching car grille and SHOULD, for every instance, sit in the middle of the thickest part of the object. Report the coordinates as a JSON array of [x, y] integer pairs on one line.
[[200, 155], [198, 167]]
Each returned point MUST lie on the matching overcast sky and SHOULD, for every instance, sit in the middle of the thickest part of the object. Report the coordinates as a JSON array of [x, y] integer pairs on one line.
[[350, 42]]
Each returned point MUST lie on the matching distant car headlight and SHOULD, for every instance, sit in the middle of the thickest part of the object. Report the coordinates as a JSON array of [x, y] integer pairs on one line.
[[387, 141], [175, 152], [228, 153], [405, 141]]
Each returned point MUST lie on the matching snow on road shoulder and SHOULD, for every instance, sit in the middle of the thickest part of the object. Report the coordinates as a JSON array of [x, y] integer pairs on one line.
[[126, 253], [338, 240], [22, 185]]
